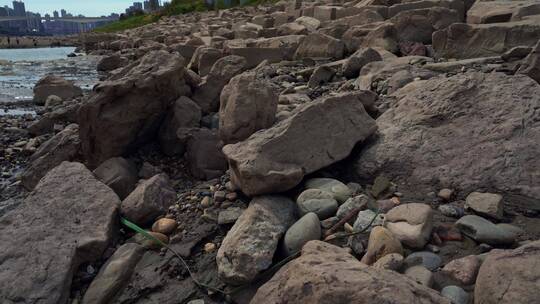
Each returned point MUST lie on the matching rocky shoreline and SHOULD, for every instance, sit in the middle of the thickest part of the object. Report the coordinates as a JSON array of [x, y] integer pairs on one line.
[[300, 152]]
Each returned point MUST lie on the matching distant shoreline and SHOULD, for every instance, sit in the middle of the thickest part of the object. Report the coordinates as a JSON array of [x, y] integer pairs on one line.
[[37, 42]]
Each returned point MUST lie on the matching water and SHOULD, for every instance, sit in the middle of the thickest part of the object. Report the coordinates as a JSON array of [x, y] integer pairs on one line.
[[37, 54], [20, 70]]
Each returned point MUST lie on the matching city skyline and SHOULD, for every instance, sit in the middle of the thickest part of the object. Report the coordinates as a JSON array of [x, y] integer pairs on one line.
[[93, 8]]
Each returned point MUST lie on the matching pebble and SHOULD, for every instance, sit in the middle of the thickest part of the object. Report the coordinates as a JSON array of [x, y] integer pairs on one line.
[[380, 185], [425, 258], [307, 228], [463, 270], [209, 247], [367, 217], [487, 204], [381, 242], [353, 203], [232, 196], [446, 194], [229, 215], [318, 201], [219, 196], [451, 211], [329, 222], [420, 274], [455, 294], [339, 190], [484, 231], [165, 226], [206, 202]]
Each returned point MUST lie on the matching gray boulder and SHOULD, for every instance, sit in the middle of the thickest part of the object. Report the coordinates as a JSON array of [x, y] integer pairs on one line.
[[150, 199], [317, 45], [207, 93], [55, 85], [531, 65], [126, 110], [183, 114], [353, 64], [462, 41], [423, 119], [118, 173], [315, 136], [325, 273], [248, 104], [113, 276], [69, 219], [204, 156], [64, 146], [248, 248]]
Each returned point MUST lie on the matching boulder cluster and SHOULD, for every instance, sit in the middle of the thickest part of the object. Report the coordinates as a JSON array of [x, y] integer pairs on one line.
[[366, 151]]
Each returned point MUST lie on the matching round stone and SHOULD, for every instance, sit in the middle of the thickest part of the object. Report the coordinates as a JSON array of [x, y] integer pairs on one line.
[[425, 258], [307, 228], [455, 294], [164, 225], [318, 201]]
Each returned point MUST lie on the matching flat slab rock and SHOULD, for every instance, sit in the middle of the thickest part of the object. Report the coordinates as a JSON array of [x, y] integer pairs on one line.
[[325, 273], [319, 134], [467, 132], [250, 245], [67, 220]]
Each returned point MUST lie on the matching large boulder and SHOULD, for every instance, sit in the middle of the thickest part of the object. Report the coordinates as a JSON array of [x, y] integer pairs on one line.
[[326, 274], [113, 276], [118, 173], [531, 64], [203, 59], [496, 11], [248, 104], [317, 135], [203, 154], [461, 40], [250, 245], [509, 276], [206, 94], [127, 109], [112, 62], [183, 114], [66, 221], [432, 136], [418, 25], [64, 146], [151, 198], [55, 85], [318, 45], [377, 35]]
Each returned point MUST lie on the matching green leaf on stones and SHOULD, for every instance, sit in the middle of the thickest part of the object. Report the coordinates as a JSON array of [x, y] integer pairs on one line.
[[138, 229]]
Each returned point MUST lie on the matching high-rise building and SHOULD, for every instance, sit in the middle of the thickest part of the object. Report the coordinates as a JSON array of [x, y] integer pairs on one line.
[[146, 5], [138, 6], [19, 9], [153, 5], [63, 13], [3, 12], [56, 15]]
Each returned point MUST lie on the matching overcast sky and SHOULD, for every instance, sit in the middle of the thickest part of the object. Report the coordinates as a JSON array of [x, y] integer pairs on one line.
[[90, 8]]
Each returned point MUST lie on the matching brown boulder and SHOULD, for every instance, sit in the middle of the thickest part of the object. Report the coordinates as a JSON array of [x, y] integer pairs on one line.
[[55, 85], [204, 156], [318, 45], [64, 146], [126, 110], [462, 41], [315, 136], [183, 113], [418, 25], [509, 276], [249, 247], [248, 104], [150, 199], [327, 274], [422, 121], [68, 220], [531, 64], [207, 93]]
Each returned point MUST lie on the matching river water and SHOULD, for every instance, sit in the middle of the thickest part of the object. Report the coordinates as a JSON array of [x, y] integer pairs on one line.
[[20, 69]]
